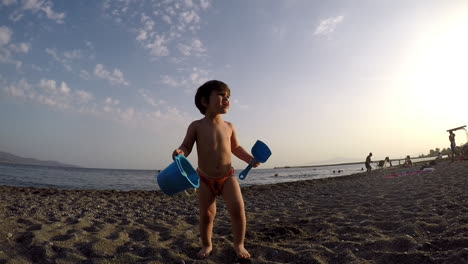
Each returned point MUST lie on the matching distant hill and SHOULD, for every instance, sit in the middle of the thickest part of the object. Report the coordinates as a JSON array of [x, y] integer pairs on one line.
[[13, 159]]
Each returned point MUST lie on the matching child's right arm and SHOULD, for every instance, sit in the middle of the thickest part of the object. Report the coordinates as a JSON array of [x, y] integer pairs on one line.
[[188, 142]]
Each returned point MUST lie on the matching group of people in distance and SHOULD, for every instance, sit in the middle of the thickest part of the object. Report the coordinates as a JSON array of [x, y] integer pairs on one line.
[[382, 163], [408, 162]]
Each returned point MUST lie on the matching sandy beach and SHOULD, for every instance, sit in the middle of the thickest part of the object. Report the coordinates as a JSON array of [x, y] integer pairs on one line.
[[362, 218]]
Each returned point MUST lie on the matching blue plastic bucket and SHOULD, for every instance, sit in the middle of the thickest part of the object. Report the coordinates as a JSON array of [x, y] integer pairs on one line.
[[178, 176]]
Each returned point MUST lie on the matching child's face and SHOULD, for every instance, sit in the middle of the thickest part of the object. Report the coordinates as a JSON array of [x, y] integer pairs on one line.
[[219, 102]]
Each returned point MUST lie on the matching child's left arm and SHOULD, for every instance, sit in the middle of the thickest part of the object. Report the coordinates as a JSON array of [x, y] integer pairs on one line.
[[238, 150]]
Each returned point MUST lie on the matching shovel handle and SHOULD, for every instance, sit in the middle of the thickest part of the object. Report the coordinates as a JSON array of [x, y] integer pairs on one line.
[[244, 173]]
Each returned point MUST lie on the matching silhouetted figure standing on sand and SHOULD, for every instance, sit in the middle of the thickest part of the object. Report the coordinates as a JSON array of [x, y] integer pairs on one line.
[[453, 146], [368, 162]]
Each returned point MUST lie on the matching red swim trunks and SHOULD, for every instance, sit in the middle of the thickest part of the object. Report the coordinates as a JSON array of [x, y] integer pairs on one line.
[[216, 184]]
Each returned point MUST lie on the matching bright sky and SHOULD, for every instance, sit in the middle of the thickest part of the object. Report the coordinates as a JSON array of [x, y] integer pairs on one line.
[[110, 84]]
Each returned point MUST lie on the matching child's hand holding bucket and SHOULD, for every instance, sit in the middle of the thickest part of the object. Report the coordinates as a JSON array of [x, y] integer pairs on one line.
[[177, 152]]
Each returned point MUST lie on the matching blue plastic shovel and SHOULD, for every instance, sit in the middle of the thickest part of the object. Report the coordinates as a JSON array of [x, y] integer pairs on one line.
[[261, 153]]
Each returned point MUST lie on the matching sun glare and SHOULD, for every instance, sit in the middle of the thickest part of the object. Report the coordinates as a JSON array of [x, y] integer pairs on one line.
[[434, 75]]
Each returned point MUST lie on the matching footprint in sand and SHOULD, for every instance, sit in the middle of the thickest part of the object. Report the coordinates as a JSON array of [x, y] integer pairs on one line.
[[24, 221], [139, 235], [85, 249], [273, 254], [110, 220], [164, 233], [114, 236], [62, 237], [35, 227], [25, 238], [92, 229]]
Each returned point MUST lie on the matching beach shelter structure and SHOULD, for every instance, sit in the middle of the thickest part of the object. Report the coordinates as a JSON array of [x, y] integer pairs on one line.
[[464, 148]]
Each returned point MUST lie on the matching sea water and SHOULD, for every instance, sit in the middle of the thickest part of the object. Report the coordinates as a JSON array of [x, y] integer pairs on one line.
[[126, 180]]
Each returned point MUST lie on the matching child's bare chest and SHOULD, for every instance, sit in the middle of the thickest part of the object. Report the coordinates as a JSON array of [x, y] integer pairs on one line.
[[214, 135]]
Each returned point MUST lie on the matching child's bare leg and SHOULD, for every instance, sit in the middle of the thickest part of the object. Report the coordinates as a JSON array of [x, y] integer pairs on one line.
[[235, 204], [207, 206]]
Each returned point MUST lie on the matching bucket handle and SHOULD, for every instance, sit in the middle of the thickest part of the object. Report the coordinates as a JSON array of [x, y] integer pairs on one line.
[[177, 158]]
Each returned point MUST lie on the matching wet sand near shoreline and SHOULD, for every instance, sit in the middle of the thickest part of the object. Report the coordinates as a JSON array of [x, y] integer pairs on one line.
[[362, 218]]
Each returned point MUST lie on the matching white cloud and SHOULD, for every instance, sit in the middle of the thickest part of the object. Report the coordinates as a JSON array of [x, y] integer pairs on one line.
[[21, 47], [180, 20], [111, 101], [64, 89], [205, 4], [115, 78], [8, 2], [50, 101], [143, 35], [148, 23], [51, 87], [22, 89], [195, 77], [48, 85], [188, 3], [15, 16], [189, 18], [328, 26], [198, 76], [146, 30], [5, 35], [194, 48], [128, 114], [168, 80], [158, 47], [85, 75], [185, 49], [89, 44], [6, 51], [83, 96], [43, 6], [150, 100], [73, 54], [37, 68], [53, 53], [58, 57], [167, 19], [69, 59], [48, 92]]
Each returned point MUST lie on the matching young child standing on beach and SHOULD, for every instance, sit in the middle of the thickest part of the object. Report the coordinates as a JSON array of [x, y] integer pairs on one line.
[[216, 139]]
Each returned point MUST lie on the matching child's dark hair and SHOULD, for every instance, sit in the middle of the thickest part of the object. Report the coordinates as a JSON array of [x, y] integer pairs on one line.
[[205, 90]]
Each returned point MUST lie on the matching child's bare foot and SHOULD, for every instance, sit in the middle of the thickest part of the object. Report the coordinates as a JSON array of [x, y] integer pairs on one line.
[[204, 252], [241, 252]]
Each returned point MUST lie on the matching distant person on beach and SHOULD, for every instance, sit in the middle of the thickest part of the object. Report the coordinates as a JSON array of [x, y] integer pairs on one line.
[[368, 162], [216, 139], [453, 146], [387, 159], [383, 163], [408, 162]]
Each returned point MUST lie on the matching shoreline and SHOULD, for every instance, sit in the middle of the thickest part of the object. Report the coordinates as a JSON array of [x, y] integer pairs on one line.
[[358, 218], [356, 162]]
